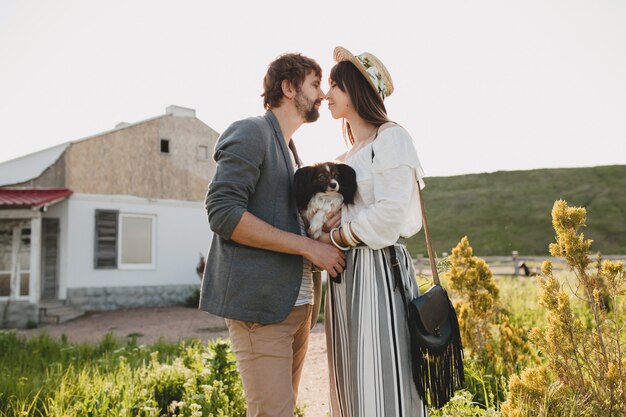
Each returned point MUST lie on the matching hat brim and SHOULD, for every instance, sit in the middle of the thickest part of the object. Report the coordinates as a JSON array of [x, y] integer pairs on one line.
[[341, 54]]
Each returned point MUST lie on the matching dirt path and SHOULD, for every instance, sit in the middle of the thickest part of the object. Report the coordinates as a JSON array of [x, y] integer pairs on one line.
[[175, 323]]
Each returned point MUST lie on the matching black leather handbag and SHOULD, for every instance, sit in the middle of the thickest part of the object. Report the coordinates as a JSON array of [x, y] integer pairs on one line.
[[436, 348]]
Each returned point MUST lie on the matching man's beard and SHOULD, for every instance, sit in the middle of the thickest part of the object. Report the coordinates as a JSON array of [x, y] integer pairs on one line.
[[306, 107]]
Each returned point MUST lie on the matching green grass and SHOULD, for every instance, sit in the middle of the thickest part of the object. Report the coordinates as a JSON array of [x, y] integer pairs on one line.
[[520, 297], [510, 210], [42, 376]]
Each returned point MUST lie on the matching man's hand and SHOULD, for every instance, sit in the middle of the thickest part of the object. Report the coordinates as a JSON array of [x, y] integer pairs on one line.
[[252, 231], [326, 257]]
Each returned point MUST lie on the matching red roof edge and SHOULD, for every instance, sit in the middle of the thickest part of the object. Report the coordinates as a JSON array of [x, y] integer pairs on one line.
[[32, 197]]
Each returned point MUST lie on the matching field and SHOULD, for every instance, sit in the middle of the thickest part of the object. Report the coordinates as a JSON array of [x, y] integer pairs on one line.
[[509, 211], [551, 345], [55, 377]]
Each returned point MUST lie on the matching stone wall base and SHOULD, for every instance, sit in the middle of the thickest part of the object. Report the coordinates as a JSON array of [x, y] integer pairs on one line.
[[129, 297], [18, 314]]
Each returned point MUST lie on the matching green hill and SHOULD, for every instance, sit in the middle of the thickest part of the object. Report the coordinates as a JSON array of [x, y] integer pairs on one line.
[[511, 210]]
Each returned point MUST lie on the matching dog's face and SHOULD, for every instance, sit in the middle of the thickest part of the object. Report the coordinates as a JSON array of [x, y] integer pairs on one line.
[[324, 178]]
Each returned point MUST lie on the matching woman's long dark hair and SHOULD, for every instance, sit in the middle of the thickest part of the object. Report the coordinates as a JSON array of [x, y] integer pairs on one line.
[[367, 103]]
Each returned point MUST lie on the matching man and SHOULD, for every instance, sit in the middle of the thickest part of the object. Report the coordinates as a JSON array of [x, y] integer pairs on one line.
[[258, 273]]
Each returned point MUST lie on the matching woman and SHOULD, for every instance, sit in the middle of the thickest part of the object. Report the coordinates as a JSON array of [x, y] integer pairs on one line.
[[367, 335]]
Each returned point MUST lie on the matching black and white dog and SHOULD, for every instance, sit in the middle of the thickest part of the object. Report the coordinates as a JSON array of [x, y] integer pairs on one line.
[[320, 189]]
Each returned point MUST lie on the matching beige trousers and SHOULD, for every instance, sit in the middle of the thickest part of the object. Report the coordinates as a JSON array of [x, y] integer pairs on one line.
[[270, 359]]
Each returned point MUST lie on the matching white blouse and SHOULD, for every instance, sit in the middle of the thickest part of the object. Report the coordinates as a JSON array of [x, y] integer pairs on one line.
[[386, 205]]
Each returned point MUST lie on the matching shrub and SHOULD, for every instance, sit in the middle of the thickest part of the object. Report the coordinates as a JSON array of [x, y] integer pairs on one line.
[[585, 359], [495, 346], [461, 405], [193, 301], [472, 281]]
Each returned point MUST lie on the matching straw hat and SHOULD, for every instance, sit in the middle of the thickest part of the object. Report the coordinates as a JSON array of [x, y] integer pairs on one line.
[[371, 67]]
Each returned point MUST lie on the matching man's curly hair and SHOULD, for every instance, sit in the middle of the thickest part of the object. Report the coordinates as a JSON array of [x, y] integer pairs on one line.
[[291, 67]]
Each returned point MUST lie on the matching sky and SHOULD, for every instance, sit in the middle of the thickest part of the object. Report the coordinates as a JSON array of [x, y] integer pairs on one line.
[[480, 85]]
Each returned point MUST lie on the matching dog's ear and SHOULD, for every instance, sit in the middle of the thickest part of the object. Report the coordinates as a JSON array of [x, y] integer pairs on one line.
[[303, 186], [347, 179]]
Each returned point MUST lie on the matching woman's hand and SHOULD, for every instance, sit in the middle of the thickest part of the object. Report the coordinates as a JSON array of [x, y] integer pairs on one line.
[[333, 219], [325, 238]]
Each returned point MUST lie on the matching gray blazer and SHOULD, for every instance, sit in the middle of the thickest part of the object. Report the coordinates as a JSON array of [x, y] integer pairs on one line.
[[254, 173]]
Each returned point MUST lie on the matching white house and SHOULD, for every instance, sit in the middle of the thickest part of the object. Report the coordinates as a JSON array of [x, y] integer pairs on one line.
[[113, 220]]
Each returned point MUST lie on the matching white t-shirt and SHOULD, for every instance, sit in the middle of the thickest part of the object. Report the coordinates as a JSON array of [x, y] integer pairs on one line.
[[386, 205], [306, 294]]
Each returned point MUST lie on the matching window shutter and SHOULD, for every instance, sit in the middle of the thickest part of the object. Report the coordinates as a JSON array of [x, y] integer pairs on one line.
[[105, 255]]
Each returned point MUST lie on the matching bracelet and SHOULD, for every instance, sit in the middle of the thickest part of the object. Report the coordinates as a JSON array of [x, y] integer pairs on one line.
[[354, 235], [345, 236], [342, 236], [332, 239], [351, 234]]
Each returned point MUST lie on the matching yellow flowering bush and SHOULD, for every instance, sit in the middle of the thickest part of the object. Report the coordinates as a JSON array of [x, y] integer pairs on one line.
[[585, 372], [472, 281], [495, 346]]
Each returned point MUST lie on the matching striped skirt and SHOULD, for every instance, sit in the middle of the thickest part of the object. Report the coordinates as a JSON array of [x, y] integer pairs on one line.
[[367, 338]]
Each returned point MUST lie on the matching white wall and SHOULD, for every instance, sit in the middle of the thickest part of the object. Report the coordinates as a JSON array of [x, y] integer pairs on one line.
[[182, 234]]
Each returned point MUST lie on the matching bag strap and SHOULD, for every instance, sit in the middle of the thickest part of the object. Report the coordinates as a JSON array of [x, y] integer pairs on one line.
[[429, 245], [392, 251], [395, 264]]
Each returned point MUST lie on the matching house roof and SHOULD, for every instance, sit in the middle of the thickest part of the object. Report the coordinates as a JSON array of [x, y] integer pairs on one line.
[[32, 197], [29, 166]]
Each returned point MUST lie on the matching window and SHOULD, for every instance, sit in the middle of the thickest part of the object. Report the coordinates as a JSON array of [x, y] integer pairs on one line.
[[165, 146], [136, 241], [125, 241], [203, 153], [15, 250]]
